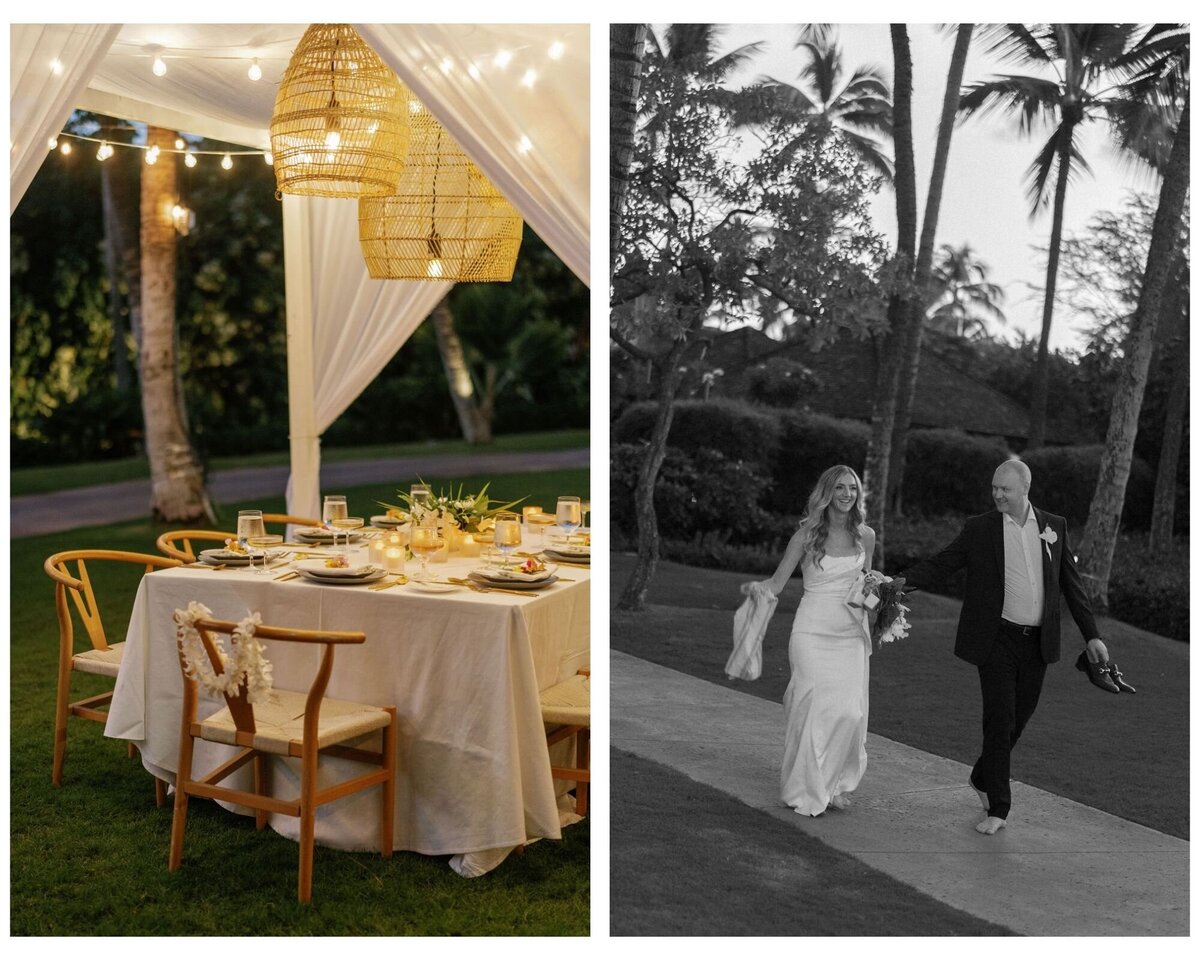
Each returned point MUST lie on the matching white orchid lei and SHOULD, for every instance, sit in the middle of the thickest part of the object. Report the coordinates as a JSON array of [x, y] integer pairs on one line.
[[246, 664]]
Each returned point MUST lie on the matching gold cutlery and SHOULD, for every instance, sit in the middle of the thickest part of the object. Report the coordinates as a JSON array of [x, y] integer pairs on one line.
[[290, 575], [398, 582], [479, 588]]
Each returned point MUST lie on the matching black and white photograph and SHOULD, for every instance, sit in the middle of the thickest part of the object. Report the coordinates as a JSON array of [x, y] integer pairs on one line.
[[899, 479]]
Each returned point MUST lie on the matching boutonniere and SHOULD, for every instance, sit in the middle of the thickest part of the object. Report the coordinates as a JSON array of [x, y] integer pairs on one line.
[[1049, 537]]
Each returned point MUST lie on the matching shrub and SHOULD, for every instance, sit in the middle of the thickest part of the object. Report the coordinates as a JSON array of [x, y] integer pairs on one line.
[[778, 382], [811, 443], [1150, 590], [699, 494], [738, 430], [1064, 480], [947, 471]]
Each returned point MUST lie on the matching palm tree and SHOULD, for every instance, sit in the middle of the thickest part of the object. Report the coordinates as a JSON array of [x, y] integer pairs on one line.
[[1089, 61], [626, 45], [963, 300], [858, 111]]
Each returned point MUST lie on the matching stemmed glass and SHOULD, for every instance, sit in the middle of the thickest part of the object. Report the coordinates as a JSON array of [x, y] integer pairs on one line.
[[569, 514], [348, 524], [420, 494], [334, 509], [249, 524], [508, 533], [266, 541], [424, 543]]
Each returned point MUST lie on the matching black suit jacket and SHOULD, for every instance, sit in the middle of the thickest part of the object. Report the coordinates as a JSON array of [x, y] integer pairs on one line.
[[980, 549]]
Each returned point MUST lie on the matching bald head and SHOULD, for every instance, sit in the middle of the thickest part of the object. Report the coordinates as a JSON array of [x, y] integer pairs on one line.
[[1010, 488]]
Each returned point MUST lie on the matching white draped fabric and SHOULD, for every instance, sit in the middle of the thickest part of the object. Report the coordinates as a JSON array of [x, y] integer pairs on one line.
[[343, 328], [523, 118], [40, 99]]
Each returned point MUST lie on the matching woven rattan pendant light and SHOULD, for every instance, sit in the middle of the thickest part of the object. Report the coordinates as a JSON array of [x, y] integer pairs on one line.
[[445, 220], [339, 127]]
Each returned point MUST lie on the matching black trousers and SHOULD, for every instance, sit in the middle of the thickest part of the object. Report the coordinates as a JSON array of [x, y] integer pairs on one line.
[[1011, 682]]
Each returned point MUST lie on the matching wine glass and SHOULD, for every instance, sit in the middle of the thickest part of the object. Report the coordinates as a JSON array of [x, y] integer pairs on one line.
[[266, 541], [425, 543], [249, 524], [569, 514], [348, 524], [420, 494], [508, 533], [334, 508]]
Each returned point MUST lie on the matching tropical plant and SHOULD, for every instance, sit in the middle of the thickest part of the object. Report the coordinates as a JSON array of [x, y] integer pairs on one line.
[[963, 300], [1092, 67]]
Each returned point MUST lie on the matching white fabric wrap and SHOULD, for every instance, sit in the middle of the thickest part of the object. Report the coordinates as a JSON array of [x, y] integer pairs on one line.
[[749, 628]]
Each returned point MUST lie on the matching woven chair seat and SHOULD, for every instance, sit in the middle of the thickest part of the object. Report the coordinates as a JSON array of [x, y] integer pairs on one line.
[[107, 663], [279, 723], [569, 702]]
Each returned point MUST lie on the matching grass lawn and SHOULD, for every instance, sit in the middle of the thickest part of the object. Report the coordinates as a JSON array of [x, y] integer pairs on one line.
[[770, 879], [91, 858], [1126, 754], [27, 480]]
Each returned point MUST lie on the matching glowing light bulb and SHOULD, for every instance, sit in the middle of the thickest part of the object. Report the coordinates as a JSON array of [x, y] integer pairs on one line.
[[52, 143], [255, 71], [473, 71], [269, 158], [332, 140], [177, 211], [152, 156], [227, 162], [503, 58], [557, 48], [530, 78], [56, 67], [189, 159], [104, 152], [524, 145], [447, 65], [434, 270], [159, 67], [66, 147], [179, 144]]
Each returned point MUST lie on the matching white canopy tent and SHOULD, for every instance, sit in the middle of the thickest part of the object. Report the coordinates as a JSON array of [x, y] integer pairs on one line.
[[514, 96]]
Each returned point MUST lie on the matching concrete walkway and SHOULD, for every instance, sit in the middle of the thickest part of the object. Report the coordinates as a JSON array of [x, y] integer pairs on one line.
[[1061, 868], [88, 506]]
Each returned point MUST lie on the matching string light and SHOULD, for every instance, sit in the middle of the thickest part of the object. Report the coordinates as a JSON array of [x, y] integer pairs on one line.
[[106, 149], [159, 67], [255, 71], [473, 71], [56, 67], [556, 50], [179, 144], [503, 58], [52, 143], [268, 158], [227, 162], [66, 147], [524, 145], [189, 159], [530, 78], [152, 156]]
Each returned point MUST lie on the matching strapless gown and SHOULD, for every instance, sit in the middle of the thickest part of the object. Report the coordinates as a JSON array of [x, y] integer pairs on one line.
[[825, 707]]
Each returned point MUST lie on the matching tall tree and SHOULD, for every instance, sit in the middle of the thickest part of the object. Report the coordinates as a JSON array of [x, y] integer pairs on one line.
[[1088, 62], [474, 419], [899, 314], [626, 44], [964, 300], [178, 492], [910, 359]]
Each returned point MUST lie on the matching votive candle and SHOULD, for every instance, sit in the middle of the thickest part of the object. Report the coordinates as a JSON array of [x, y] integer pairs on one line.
[[393, 558], [377, 549], [470, 548]]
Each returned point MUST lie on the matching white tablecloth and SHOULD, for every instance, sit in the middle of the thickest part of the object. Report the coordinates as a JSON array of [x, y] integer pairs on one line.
[[463, 669]]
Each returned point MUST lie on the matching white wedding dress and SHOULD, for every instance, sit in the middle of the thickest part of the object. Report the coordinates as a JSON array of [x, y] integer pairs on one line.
[[825, 706]]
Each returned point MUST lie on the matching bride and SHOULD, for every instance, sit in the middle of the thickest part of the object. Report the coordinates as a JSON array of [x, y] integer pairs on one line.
[[825, 706]]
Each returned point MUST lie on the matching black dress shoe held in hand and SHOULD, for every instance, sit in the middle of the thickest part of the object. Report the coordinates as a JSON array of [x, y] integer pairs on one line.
[[1119, 679], [1097, 673]]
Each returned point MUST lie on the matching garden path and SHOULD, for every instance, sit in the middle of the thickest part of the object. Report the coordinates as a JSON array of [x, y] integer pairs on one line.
[[1061, 868], [110, 503]]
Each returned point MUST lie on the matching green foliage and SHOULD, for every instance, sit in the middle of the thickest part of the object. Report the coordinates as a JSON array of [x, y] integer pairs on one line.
[[777, 382], [1149, 589], [947, 471], [1064, 480], [812, 443], [737, 429]]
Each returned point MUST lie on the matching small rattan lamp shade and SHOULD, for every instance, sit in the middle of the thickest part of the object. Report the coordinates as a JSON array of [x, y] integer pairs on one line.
[[339, 127], [445, 220]]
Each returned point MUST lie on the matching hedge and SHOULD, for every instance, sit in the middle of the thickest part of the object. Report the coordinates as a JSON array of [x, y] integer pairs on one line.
[[947, 471], [740, 431], [810, 444], [1064, 480]]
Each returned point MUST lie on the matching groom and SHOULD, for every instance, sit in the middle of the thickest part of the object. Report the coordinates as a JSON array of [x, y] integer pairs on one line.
[[1017, 562]]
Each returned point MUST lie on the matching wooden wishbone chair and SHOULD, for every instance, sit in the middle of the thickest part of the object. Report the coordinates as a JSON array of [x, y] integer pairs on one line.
[[178, 543], [102, 658], [567, 708], [289, 519], [290, 724]]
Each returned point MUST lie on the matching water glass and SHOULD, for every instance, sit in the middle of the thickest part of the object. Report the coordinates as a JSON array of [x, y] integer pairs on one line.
[[508, 533], [249, 524], [569, 514]]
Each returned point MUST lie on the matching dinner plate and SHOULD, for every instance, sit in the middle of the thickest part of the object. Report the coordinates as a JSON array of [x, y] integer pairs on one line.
[[551, 554], [487, 581], [343, 581], [230, 558], [383, 520], [315, 535], [429, 587], [511, 573], [355, 572]]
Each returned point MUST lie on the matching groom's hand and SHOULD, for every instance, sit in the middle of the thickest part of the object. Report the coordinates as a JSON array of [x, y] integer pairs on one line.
[[1096, 650]]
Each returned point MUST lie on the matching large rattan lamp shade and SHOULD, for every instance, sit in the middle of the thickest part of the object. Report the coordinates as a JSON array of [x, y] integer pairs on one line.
[[340, 127], [445, 220]]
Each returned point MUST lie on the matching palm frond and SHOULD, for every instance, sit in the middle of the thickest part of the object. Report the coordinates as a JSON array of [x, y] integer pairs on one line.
[[870, 151], [1143, 131], [821, 34], [730, 62], [1016, 42], [1028, 98], [823, 69]]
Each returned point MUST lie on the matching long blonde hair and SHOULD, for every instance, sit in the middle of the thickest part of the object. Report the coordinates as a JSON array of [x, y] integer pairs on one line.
[[814, 526]]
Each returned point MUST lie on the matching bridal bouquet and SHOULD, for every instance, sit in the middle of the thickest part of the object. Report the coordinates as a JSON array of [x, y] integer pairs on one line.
[[890, 623]]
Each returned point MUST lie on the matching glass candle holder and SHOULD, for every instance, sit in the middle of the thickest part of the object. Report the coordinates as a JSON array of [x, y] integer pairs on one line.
[[376, 552], [393, 559]]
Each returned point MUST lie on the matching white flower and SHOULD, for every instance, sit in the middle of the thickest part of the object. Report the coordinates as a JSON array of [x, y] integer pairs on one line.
[[1049, 536]]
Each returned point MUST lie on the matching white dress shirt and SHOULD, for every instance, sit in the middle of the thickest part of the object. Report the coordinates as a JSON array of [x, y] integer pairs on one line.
[[1024, 596]]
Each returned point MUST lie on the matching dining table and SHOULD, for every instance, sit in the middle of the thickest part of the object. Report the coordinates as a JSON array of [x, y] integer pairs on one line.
[[463, 668]]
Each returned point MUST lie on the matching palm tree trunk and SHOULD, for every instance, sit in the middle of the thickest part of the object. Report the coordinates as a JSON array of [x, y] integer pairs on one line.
[[177, 482], [476, 428], [1162, 520], [119, 206], [626, 42], [633, 596], [911, 356], [887, 388], [1104, 514], [1041, 378]]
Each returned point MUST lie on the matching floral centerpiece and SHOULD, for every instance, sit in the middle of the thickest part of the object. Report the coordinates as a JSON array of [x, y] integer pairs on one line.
[[465, 511]]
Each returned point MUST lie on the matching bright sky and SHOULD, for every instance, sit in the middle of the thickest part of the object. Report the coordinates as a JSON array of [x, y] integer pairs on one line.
[[983, 202]]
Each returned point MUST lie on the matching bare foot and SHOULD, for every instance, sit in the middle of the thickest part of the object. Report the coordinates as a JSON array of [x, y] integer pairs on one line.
[[983, 800], [990, 825], [840, 802]]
